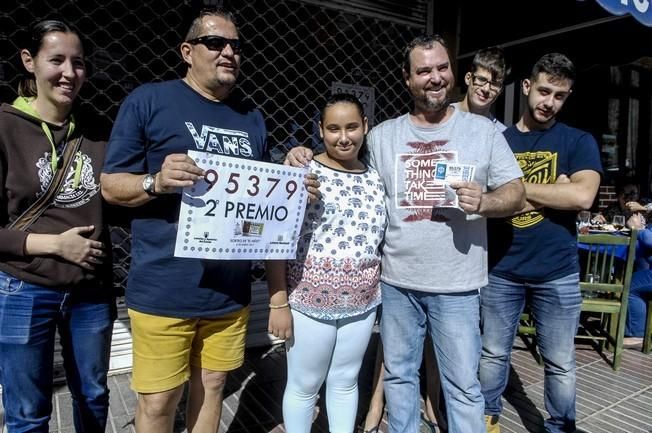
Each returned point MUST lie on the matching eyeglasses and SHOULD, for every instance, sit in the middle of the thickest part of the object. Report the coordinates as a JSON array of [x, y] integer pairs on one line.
[[217, 43], [480, 81]]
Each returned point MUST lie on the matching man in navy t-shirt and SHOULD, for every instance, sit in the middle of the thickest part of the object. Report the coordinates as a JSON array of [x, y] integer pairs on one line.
[[533, 255], [188, 316]]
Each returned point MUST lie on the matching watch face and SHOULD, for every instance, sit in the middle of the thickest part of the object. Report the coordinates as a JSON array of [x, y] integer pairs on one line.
[[148, 183]]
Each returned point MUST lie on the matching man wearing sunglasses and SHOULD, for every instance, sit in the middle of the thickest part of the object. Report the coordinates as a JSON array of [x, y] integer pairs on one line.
[[188, 316]]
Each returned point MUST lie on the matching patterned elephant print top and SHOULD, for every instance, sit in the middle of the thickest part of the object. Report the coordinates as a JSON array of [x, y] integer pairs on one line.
[[337, 270]]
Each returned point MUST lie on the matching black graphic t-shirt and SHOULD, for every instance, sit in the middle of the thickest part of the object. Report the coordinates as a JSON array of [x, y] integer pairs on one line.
[[542, 245], [154, 121]]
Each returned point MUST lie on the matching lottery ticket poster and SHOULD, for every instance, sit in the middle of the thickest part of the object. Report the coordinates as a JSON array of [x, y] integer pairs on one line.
[[427, 177], [243, 209]]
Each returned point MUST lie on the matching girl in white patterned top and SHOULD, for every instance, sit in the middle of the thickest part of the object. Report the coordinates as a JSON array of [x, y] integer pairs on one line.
[[334, 282]]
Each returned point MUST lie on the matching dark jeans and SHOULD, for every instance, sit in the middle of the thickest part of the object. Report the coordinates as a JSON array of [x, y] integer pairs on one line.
[[29, 317]]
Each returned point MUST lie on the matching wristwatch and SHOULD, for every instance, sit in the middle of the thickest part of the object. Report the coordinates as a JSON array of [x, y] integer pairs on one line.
[[149, 183]]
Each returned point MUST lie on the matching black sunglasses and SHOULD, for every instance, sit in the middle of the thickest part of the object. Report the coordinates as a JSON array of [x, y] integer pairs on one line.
[[217, 43]]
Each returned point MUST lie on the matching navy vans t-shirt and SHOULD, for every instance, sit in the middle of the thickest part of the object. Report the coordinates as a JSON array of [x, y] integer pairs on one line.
[[542, 245], [154, 121]]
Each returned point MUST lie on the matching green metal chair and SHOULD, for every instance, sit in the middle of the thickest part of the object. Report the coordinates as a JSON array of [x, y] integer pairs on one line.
[[605, 279], [528, 334]]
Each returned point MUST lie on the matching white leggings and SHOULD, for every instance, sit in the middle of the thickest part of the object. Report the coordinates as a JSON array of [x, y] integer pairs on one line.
[[330, 350]]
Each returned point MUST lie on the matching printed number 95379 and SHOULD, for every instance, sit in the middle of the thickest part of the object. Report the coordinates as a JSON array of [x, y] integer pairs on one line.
[[253, 185]]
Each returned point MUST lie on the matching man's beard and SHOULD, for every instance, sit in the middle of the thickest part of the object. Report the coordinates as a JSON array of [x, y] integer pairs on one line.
[[533, 112], [433, 105]]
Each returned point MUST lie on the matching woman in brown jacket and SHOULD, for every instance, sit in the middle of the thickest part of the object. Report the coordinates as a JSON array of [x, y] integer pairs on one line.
[[54, 273]]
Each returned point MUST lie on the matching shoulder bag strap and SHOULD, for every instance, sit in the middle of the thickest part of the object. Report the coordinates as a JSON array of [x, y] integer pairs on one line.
[[32, 213]]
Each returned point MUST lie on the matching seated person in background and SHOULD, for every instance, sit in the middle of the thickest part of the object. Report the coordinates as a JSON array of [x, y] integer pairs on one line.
[[643, 205], [627, 191], [640, 289]]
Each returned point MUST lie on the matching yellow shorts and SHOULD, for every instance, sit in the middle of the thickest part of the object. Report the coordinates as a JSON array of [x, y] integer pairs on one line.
[[164, 348]]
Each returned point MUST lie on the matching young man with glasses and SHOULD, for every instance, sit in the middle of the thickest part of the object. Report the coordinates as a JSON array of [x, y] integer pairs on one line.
[[188, 316], [484, 83]]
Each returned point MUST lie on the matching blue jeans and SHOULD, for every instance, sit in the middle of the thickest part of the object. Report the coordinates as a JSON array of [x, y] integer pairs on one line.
[[555, 306], [640, 291], [29, 317], [453, 323]]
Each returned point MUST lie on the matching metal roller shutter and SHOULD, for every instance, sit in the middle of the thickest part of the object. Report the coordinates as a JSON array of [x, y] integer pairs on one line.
[[411, 12]]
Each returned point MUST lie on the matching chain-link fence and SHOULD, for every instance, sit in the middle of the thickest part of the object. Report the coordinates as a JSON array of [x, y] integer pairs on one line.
[[294, 53]]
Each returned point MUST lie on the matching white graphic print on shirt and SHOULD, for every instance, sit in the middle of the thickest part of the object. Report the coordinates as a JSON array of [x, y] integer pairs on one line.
[[71, 195], [228, 142]]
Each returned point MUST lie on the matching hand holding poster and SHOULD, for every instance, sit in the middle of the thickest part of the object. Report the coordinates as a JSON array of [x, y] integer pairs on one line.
[[242, 209]]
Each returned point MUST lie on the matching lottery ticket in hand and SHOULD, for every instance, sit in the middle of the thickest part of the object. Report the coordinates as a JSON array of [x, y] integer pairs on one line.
[[447, 172]]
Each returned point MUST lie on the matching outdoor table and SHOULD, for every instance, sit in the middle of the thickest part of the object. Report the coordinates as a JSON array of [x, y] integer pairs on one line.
[[621, 250]]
